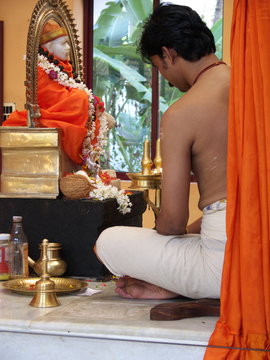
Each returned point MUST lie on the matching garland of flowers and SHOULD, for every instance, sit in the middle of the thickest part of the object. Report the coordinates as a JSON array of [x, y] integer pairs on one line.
[[103, 192], [106, 191], [94, 144]]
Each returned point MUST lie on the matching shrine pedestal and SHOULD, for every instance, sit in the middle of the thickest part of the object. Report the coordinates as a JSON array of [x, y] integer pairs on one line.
[[76, 224]]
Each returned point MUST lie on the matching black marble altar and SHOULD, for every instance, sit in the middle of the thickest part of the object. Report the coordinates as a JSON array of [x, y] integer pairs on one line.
[[75, 224]]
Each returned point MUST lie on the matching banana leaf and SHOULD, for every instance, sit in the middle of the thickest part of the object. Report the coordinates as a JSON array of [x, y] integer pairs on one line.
[[128, 73], [120, 20], [127, 50], [111, 24], [217, 32], [138, 9]]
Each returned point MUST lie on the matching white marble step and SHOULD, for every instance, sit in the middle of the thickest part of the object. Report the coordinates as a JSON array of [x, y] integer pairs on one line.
[[99, 327]]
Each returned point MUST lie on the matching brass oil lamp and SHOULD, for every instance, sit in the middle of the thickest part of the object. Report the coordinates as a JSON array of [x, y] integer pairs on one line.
[[146, 159], [149, 178], [157, 159], [45, 295]]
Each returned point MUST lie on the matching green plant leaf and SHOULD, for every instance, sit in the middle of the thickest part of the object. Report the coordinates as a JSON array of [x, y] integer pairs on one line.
[[138, 9], [217, 31], [112, 25], [119, 65], [123, 50]]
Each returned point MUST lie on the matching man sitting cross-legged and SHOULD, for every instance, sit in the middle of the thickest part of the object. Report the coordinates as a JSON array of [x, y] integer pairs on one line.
[[168, 262]]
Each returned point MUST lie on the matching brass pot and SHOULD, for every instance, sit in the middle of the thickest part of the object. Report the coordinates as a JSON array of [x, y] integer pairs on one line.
[[55, 265]]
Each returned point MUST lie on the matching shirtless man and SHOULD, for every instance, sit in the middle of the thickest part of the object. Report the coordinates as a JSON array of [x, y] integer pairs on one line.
[[167, 262]]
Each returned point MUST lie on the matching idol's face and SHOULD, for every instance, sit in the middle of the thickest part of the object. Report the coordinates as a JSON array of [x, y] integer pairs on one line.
[[60, 47]]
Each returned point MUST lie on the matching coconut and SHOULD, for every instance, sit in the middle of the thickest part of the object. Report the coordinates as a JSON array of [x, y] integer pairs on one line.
[[75, 186]]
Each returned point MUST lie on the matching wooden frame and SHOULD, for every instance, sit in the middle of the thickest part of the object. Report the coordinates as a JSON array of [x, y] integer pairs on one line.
[[88, 42]]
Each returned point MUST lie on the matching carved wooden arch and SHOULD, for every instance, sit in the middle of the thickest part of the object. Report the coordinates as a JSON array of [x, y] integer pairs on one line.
[[44, 11]]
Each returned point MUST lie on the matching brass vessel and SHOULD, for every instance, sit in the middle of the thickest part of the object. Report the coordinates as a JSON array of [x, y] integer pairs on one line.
[[55, 265]]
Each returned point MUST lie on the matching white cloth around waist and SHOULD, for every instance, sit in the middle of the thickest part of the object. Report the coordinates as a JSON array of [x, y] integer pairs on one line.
[[190, 265]]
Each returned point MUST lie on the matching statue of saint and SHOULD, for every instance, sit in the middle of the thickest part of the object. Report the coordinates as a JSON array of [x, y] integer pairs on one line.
[[65, 102]]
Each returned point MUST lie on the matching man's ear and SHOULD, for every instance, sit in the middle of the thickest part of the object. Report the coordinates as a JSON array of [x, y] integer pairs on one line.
[[169, 53]]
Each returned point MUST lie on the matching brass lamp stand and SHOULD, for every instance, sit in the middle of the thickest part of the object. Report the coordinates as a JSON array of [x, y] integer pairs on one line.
[[149, 178], [45, 295]]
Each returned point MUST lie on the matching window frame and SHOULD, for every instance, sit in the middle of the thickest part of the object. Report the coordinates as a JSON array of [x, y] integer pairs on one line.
[[88, 42]]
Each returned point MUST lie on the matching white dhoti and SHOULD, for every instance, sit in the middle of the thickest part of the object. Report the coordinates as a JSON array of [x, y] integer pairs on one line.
[[189, 265]]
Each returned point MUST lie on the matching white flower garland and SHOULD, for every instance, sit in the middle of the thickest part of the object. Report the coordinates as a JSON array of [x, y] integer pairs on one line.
[[103, 192], [63, 79]]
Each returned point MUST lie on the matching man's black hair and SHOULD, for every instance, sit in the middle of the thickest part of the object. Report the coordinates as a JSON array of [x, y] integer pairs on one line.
[[177, 27]]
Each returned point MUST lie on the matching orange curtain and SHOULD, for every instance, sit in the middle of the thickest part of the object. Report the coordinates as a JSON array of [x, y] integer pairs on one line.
[[243, 330]]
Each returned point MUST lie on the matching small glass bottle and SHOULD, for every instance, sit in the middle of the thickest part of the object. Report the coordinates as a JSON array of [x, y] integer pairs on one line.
[[4, 272], [18, 250]]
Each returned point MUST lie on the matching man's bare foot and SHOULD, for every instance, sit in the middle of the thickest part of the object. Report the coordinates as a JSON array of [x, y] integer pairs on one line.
[[131, 288]]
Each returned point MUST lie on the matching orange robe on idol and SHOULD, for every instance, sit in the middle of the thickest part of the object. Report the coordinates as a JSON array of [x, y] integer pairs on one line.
[[60, 107]]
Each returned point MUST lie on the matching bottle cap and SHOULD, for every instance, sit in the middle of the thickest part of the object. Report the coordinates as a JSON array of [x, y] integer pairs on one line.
[[4, 237], [17, 218]]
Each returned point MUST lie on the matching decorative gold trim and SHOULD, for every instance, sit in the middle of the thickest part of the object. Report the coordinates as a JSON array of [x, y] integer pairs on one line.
[[44, 11]]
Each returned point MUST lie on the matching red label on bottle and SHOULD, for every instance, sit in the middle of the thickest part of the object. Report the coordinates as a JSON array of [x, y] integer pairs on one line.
[[3, 260]]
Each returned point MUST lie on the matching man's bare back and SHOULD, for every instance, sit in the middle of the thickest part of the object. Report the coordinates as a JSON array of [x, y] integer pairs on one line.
[[208, 122], [193, 138]]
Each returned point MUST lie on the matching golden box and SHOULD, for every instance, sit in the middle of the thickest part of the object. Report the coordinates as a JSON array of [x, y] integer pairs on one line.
[[32, 162]]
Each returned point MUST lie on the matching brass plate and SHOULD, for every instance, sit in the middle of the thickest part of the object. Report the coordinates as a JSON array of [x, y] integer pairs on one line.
[[63, 286]]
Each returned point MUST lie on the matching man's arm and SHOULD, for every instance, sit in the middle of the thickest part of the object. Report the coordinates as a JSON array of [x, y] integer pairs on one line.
[[176, 141], [195, 227]]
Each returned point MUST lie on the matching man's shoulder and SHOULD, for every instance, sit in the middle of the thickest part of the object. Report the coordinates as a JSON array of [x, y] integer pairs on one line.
[[183, 109], [179, 106], [178, 121]]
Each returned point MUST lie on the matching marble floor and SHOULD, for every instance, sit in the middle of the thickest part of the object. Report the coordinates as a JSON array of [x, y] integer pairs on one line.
[[102, 326]]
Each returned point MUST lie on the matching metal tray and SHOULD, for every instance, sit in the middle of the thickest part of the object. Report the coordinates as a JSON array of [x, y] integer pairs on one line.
[[26, 286]]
